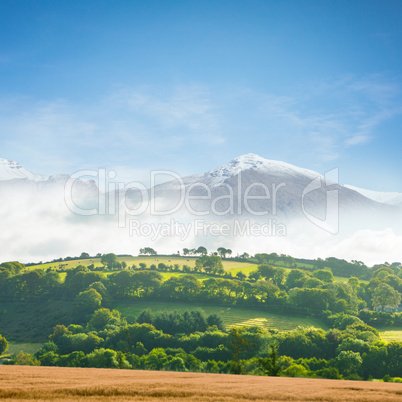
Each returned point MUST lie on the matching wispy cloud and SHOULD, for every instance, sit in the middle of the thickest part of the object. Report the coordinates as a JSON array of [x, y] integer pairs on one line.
[[331, 116], [187, 113], [110, 130], [132, 127]]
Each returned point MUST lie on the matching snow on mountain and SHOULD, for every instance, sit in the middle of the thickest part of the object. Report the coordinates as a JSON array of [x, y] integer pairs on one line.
[[250, 161], [383, 197], [10, 170], [16, 179], [252, 185]]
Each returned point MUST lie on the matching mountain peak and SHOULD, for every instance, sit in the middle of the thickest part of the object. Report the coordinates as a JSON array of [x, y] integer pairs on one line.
[[252, 161], [248, 161], [10, 163], [10, 170]]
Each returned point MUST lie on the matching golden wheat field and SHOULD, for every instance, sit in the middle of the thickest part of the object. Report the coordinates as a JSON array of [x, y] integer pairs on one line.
[[49, 383]]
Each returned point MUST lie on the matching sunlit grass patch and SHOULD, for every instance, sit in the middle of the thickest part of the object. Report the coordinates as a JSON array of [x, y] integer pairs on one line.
[[391, 335], [231, 316]]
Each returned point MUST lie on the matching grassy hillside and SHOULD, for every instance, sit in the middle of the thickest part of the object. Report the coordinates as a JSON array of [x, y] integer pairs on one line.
[[231, 316], [15, 347], [391, 334], [231, 266], [190, 261], [33, 321]]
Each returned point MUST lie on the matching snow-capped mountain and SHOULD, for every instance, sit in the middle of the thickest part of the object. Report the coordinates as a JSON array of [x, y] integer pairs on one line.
[[37, 211], [252, 185], [15, 178], [10, 170], [390, 198], [247, 185], [254, 162]]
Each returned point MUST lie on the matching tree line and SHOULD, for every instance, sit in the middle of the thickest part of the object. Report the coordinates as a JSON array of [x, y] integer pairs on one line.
[[269, 287], [350, 349]]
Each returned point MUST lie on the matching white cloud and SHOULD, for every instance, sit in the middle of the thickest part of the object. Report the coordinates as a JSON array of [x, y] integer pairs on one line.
[[371, 246], [357, 139]]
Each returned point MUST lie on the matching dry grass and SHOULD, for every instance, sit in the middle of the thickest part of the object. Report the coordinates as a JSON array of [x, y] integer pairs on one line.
[[48, 383]]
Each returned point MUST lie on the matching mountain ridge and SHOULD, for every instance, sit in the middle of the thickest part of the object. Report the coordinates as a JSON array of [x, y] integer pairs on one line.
[[249, 164], [10, 170], [390, 198]]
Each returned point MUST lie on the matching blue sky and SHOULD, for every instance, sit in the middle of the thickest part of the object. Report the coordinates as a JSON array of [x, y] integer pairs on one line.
[[189, 85]]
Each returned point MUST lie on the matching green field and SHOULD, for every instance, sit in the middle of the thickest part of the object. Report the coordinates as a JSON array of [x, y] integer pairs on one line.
[[231, 316], [15, 348], [231, 266], [190, 261], [391, 334], [168, 275]]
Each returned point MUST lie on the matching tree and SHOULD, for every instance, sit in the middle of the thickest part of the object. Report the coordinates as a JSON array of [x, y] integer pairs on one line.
[[266, 271], [270, 364], [324, 275], [385, 296], [106, 358], [222, 251], [84, 255], [58, 332], [146, 281], [213, 319], [109, 260], [202, 250], [49, 359], [313, 283], [101, 289], [87, 302], [146, 316], [316, 299], [121, 283], [103, 317], [355, 345], [394, 358], [210, 264], [348, 362], [296, 278], [239, 346], [25, 359], [296, 370], [254, 275], [263, 257], [241, 276], [3, 344], [148, 250], [354, 282], [14, 267]]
